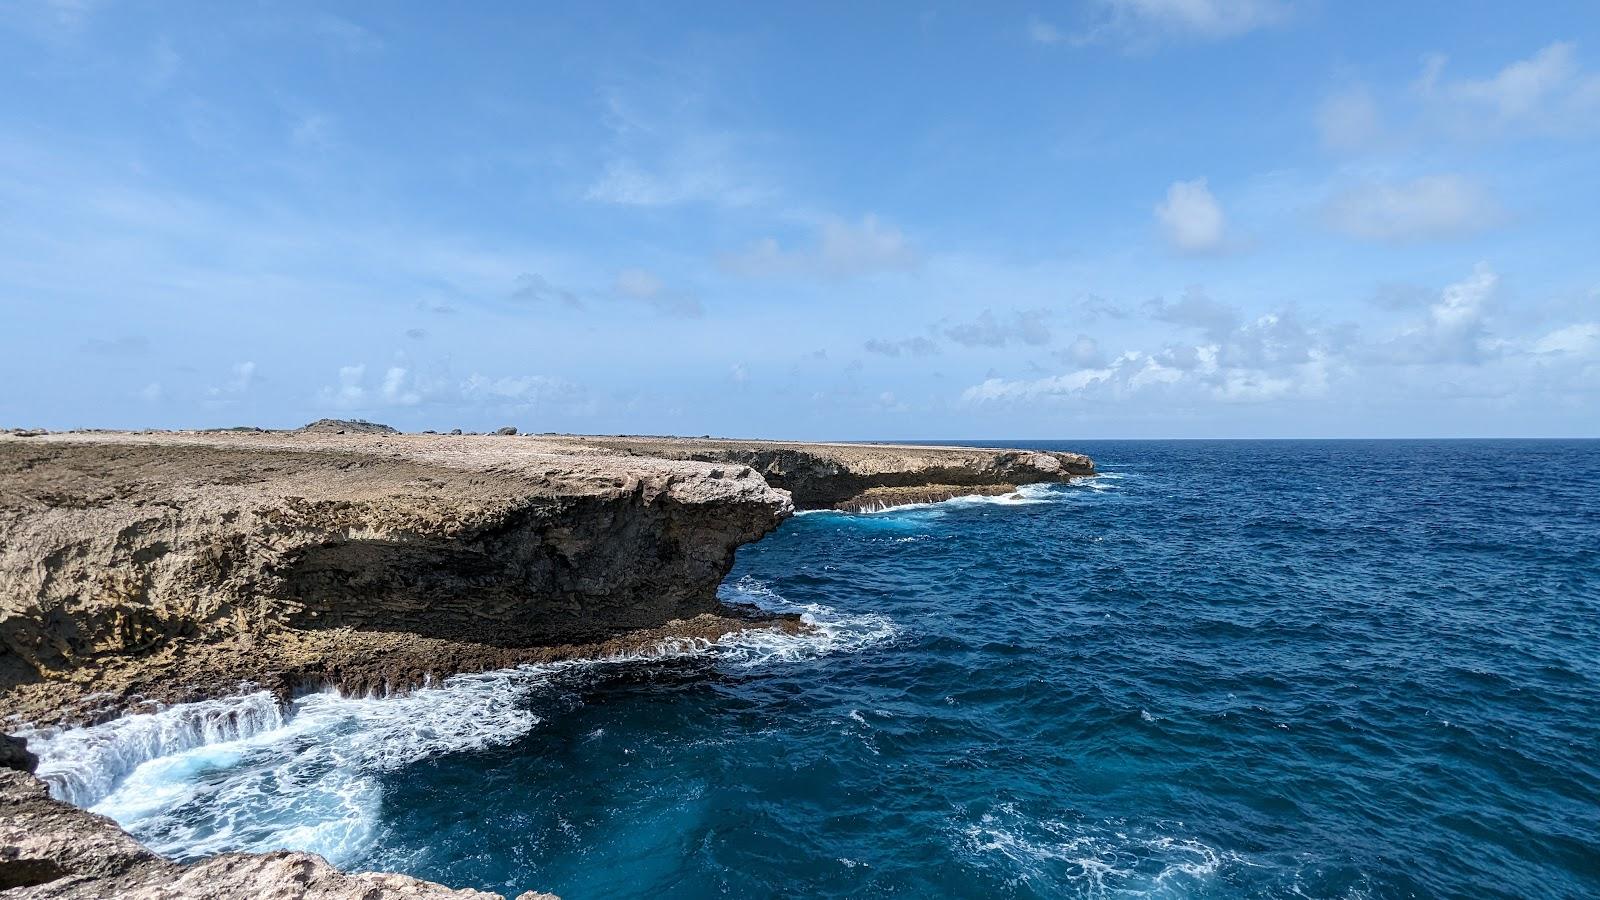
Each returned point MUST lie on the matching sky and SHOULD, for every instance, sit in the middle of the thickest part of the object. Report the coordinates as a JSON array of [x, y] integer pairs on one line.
[[1092, 219]]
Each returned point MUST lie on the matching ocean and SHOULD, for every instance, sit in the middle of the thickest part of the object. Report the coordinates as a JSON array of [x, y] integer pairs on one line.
[[1217, 670]]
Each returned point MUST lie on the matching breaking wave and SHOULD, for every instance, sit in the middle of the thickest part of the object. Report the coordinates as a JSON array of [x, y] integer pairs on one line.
[[246, 773]]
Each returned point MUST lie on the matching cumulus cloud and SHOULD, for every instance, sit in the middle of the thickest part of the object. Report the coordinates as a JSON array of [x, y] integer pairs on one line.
[[1432, 207], [1454, 329], [1026, 326], [1238, 358], [1191, 219], [842, 250]]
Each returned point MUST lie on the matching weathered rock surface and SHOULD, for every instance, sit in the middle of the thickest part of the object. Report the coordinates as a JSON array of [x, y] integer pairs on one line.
[[113, 545], [168, 565], [836, 476]]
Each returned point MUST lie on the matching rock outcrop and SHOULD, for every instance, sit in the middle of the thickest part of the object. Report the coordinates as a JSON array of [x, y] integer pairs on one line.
[[842, 476], [118, 546], [134, 564]]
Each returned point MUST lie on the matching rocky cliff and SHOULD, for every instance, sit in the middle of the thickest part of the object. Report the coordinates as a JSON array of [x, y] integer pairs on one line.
[[166, 566], [858, 477]]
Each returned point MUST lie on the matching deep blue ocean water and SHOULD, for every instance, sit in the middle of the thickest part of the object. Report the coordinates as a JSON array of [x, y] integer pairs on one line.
[[1222, 669]]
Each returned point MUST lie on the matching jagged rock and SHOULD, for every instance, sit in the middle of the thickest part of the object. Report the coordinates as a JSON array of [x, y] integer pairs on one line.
[[14, 754], [881, 498], [507, 430], [455, 431]]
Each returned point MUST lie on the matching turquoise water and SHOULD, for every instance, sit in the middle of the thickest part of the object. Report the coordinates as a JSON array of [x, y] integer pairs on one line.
[[1234, 669]]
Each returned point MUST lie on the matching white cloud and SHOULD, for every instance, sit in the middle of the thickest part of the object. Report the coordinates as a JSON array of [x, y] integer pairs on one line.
[[1521, 89], [397, 388], [1191, 219], [1427, 208], [151, 393], [842, 250], [242, 379], [1454, 330], [349, 393], [519, 391], [1582, 339], [401, 386]]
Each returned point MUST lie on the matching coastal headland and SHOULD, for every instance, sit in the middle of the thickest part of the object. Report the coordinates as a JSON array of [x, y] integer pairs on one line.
[[139, 569]]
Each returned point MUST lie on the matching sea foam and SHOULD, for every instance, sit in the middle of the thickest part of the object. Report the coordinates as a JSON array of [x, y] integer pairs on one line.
[[244, 773]]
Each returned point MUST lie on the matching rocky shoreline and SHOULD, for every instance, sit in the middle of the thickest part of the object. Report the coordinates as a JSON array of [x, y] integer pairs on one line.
[[140, 569]]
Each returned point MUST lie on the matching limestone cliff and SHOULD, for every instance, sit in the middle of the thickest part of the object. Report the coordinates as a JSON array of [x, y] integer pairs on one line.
[[859, 476], [162, 566]]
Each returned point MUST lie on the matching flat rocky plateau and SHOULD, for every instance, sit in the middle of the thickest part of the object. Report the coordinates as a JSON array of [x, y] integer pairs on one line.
[[144, 568]]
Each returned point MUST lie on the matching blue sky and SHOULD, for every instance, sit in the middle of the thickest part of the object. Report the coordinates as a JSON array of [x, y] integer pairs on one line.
[[1110, 218]]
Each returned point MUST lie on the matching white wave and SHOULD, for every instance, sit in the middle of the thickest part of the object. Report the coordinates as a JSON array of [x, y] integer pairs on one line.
[[1103, 860], [81, 765], [243, 773]]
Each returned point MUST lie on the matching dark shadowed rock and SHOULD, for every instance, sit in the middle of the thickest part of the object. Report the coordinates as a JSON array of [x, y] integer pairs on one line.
[[507, 430], [14, 754]]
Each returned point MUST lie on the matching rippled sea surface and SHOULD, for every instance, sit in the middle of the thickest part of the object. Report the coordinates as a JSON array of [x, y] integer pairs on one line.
[[1234, 669]]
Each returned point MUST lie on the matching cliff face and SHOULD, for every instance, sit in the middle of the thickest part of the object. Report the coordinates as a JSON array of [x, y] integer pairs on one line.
[[113, 546]]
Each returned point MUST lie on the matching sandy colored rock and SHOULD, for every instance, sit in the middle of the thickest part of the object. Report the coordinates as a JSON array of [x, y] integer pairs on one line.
[[835, 476]]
